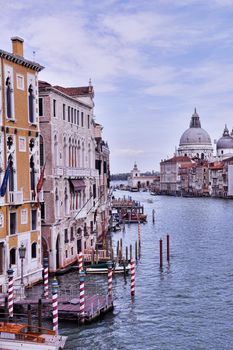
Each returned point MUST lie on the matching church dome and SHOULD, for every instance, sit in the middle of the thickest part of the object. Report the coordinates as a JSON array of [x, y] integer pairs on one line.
[[226, 141], [195, 135]]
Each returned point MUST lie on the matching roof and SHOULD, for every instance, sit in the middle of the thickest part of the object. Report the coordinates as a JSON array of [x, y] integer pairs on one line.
[[20, 60], [177, 159], [75, 91]]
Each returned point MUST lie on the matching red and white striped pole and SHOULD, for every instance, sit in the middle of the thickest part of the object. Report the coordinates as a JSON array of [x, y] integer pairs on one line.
[[109, 264], [10, 292], [55, 305], [132, 263], [82, 296], [80, 261], [46, 278]]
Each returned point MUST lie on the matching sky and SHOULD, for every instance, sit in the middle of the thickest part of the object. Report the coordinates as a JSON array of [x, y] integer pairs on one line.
[[151, 62]]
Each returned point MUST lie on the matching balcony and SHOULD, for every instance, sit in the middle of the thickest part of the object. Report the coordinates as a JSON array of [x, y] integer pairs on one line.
[[77, 172], [15, 197], [58, 171]]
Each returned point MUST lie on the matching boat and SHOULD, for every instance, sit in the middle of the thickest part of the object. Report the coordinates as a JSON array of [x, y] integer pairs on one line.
[[14, 336], [103, 268], [134, 217]]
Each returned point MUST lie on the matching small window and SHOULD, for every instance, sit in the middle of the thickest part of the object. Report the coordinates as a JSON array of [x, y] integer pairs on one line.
[[54, 108], [13, 256], [34, 219], [34, 250], [42, 210], [77, 117], [12, 223], [22, 144], [64, 111], [72, 234], [88, 121], [20, 82], [68, 113], [41, 107], [72, 116], [72, 251], [82, 121], [66, 235]]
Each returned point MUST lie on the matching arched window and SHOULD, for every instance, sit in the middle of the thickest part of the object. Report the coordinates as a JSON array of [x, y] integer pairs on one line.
[[66, 203], [13, 256], [83, 159], [32, 174], [8, 99], [34, 250], [57, 203], [41, 151], [31, 104], [11, 174]]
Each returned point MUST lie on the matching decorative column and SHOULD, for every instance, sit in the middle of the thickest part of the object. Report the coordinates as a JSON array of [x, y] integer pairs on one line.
[[10, 292], [82, 296], [132, 277], [46, 278], [55, 305]]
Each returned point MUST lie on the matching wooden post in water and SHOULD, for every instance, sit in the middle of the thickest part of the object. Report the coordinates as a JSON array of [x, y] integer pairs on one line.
[[126, 255], [130, 252], [6, 309], [139, 231], [29, 313], [161, 252], [93, 256], [136, 251], [39, 309], [97, 254], [168, 248], [153, 216], [117, 252]]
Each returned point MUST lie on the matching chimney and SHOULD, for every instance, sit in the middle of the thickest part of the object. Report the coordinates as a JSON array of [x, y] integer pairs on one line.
[[17, 46]]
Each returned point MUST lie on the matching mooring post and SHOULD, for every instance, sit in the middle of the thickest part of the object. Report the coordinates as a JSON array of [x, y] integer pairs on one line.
[[117, 252], [168, 248], [10, 273], [97, 254], [136, 250], [39, 309], [130, 252], [161, 252], [46, 278], [132, 279], [80, 261], [153, 216], [121, 251], [139, 231], [126, 255], [55, 305], [82, 296], [109, 264], [29, 314], [92, 256]]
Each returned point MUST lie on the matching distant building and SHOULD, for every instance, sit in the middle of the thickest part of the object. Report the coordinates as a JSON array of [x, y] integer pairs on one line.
[[224, 146], [195, 141], [137, 181], [170, 175]]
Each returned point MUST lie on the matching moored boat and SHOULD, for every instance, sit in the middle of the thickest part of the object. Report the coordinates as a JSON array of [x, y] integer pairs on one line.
[[14, 336]]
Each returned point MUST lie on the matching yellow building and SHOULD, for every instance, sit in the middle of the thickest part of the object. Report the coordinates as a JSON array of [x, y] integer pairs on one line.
[[19, 159]]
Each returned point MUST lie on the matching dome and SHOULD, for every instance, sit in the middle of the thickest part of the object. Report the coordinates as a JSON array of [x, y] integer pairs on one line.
[[226, 141], [195, 135]]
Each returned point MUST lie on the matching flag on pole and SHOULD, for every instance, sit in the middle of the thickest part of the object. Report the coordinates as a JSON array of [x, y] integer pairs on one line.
[[4, 181], [41, 180]]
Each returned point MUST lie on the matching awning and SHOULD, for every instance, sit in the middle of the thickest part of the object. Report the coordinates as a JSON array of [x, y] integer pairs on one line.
[[78, 185]]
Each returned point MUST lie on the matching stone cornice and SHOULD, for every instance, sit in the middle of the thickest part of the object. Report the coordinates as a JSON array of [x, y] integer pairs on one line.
[[20, 60]]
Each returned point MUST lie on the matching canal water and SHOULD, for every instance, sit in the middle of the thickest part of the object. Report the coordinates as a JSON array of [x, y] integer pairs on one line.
[[186, 305]]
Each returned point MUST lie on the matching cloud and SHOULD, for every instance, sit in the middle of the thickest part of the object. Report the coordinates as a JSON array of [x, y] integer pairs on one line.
[[126, 152]]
